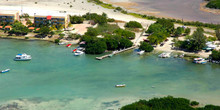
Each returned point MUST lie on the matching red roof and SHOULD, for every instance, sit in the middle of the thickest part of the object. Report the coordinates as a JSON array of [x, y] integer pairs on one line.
[[31, 28], [37, 29], [49, 17], [1, 26], [7, 26]]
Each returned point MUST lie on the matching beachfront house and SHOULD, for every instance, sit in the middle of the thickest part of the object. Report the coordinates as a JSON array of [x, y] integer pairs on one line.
[[8, 17], [52, 21]]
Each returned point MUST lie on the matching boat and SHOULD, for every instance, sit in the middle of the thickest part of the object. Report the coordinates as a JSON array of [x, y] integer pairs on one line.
[[22, 57], [5, 71], [61, 43], [199, 61], [120, 85], [140, 52], [78, 53], [68, 45], [164, 55]]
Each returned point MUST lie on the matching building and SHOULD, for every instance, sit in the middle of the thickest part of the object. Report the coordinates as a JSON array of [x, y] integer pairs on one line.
[[51, 21], [8, 17]]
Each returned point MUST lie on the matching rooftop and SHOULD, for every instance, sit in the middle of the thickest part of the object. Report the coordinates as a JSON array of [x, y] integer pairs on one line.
[[2, 12]]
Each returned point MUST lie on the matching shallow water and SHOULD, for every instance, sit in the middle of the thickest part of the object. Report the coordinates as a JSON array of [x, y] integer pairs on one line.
[[56, 80], [181, 9]]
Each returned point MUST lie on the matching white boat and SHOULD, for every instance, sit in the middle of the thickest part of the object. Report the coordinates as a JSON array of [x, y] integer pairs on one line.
[[4, 71], [199, 61], [140, 52], [22, 57], [61, 43], [120, 85], [78, 53], [164, 55]]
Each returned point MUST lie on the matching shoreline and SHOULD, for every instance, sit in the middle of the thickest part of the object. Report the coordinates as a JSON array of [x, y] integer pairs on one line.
[[209, 10]]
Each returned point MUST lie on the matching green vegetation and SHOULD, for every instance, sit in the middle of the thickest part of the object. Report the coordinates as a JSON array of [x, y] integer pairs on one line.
[[179, 31], [187, 31], [157, 38], [196, 42], [133, 24], [18, 29], [106, 29], [168, 25], [189, 23], [215, 55], [125, 33], [160, 31], [217, 33], [166, 103], [57, 40], [146, 47], [101, 19], [154, 28], [213, 4], [76, 19], [194, 103], [95, 46], [44, 30]]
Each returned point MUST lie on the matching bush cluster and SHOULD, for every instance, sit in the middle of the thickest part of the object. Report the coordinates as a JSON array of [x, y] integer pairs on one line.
[[166, 103]]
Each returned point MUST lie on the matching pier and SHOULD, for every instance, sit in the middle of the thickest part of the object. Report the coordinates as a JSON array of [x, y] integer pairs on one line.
[[116, 52]]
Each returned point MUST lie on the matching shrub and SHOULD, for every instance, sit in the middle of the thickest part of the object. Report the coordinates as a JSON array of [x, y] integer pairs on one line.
[[133, 24], [193, 103], [125, 33], [57, 40], [178, 31], [153, 28], [146, 47], [76, 19], [26, 37], [215, 55], [187, 31]]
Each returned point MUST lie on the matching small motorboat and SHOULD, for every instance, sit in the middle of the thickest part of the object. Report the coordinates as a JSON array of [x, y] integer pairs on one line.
[[61, 43], [120, 85], [5, 71], [68, 45], [140, 52], [199, 61], [22, 57], [164, 55], [78, 53]]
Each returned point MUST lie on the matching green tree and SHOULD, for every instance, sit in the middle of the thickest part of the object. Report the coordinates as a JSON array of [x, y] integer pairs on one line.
[[217, 32], [125, 33], [18, 29], [167, 24], [91, 32], [158, 37], [215, 55], [146, 47], [44, 30], [178, 31], [95, 46], [198, 40], [133, 24], [76, 19], [187, 31], [154, 28], [112, 41], [125, 43]]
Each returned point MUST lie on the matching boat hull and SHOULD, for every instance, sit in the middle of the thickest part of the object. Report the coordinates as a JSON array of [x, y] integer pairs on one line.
[[22, 59]]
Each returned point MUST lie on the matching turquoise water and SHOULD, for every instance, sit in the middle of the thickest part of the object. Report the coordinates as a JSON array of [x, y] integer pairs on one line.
[[56, 80]]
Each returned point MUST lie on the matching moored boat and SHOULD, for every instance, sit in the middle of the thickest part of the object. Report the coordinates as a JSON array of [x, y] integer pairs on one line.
[[199, 61], [68, 45], [5, 71], [164, 55], [22, 57], [140, 52], [120, 85], [78, 53]]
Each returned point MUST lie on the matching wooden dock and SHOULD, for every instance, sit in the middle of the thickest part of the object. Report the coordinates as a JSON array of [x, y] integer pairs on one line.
[[116, 52]]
